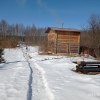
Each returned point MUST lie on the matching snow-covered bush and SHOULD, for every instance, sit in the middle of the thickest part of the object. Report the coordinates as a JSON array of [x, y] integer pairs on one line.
[[1, 58]]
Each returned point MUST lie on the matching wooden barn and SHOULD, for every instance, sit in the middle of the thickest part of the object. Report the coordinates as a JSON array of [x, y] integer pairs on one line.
[[63, 40]]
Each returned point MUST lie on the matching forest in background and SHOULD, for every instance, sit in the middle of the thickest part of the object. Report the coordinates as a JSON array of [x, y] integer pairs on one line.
[[12, 35]]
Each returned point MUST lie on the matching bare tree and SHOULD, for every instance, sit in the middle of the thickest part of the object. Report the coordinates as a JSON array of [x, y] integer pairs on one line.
[[91, 34], [4, 28]]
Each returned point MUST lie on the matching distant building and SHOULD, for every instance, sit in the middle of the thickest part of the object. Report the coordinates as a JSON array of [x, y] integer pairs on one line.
[[63, 40]]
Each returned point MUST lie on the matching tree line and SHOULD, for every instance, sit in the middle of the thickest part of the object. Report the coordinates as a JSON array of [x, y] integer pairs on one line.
[[11, 35]]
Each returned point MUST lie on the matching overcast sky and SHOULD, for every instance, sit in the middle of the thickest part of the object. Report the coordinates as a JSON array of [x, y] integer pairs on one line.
[[49, 13]]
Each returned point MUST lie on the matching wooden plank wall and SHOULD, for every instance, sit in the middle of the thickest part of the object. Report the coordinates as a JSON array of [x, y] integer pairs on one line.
[[52, 41], [61, 42], [68, 43]]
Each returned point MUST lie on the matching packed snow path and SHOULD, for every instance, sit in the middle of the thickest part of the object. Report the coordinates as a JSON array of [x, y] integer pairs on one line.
[[38, 88], [29, 93], [29, 96]]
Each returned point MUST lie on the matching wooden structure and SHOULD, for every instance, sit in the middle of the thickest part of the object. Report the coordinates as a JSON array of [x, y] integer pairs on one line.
[[86, 67], [63, 40]]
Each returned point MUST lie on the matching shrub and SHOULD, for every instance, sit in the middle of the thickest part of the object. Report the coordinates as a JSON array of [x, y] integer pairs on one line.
[[1, 58]]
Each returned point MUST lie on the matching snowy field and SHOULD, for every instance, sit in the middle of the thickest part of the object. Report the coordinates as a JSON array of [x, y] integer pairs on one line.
[[29, 76]]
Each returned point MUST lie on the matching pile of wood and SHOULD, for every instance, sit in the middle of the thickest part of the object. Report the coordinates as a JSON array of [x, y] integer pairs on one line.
[[88, 67]]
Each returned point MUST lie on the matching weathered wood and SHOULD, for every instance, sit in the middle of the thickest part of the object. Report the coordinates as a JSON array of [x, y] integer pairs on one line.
[[68, 39], [63, 40], [67, 36], [86, 67]]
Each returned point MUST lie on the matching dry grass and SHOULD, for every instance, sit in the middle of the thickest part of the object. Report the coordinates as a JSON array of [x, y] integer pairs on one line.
[[8, 42], [43, 46], [97, 58]]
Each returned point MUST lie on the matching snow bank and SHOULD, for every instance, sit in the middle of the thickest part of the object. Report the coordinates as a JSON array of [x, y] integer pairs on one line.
[[14, 76], [42, 85]]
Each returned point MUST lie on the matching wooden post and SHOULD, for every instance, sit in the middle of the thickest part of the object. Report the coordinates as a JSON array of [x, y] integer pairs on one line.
[[62, 25], [56, 43]]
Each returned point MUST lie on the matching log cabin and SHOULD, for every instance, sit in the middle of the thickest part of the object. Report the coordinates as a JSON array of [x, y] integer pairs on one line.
[[63, 40]]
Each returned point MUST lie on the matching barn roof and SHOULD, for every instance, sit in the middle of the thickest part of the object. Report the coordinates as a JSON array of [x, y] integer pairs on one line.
[[62, 29]]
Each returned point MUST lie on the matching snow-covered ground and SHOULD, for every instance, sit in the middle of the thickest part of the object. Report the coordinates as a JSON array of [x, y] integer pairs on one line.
[[29, 76], [14, 76]]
